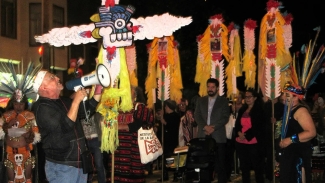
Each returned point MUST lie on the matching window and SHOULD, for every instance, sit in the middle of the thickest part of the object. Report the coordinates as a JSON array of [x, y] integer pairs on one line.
[[9, 18], [58, 16], [35, 22]]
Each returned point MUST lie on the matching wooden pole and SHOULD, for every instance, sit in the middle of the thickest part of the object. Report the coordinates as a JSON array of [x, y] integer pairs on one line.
[[273, 151], [163, 143], [112, 169]]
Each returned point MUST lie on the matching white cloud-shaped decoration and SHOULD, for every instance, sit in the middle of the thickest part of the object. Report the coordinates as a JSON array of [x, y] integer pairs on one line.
[[65, 36], [158, 25], [149, 28]]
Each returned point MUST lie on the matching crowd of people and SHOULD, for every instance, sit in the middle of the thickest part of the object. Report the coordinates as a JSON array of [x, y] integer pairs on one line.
[[67, 130]]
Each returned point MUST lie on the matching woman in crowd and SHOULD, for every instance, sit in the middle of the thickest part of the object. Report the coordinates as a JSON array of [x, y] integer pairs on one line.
[[249, 137]]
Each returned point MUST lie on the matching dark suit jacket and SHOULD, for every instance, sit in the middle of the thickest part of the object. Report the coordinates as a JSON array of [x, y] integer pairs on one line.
[[219, 117]]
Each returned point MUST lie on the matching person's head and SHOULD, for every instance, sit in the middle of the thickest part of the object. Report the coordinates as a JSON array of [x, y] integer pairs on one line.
[[320, 101], [137, 94], [170, 106], [47, 85], [250, 97], [212, 87], [294, 93], [183, 105], [17, 102]]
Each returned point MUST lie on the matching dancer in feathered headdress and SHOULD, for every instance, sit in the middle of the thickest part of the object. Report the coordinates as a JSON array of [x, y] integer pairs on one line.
[[297, 125], [234, 68], [273, 43], [18, 126], [212, 46]]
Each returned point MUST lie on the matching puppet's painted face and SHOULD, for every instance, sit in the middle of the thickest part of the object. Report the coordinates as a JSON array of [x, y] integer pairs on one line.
[[115, 26]]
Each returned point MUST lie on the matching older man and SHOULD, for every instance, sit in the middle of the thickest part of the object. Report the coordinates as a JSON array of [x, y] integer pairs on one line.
[[62, 135]]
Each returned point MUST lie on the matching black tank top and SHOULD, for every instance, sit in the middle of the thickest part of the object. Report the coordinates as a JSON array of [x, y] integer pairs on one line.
[[293, 125]]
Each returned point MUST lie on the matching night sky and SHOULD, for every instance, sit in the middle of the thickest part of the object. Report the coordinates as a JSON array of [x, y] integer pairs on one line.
[[307, 15]]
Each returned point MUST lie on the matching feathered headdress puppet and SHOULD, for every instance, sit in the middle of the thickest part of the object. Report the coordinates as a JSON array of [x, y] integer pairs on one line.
[[164, 65], [234, 68], [249, 66], [273, 44], [212, 47], [18, 84]]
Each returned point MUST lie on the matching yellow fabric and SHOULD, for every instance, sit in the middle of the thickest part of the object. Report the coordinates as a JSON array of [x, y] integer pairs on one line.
[[151, 82], [234, 68], [249, 67], [109, 141], [174, 71], [283, 57], [133, 79], [123, 92], [203, 63], [224, 42], [113, 100]]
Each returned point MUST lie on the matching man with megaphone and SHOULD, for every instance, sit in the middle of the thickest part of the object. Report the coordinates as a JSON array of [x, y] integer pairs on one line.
[[57, 118]]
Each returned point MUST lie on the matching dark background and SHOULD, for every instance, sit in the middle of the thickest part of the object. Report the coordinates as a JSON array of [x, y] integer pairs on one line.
[[307, 15]]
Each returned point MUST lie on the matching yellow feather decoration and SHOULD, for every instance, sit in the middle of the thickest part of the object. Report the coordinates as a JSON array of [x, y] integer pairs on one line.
[[249, 67], [283, 57], [151, 82], [112, 101], [174, 70], [234, 68], [203, 63], [224, 42]]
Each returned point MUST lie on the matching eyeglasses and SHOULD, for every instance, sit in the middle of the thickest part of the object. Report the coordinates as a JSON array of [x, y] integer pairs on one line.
[[248, 97]]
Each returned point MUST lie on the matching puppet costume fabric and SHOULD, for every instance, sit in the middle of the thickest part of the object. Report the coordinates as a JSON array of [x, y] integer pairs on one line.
[[127, 160]]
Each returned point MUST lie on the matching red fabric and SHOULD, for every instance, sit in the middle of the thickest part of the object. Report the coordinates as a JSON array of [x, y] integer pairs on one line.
[[162, 61], [109, 3], [271, 51], [216, 56]]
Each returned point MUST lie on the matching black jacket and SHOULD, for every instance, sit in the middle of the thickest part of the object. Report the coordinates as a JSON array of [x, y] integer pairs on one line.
[[61, 137], [258, 123]]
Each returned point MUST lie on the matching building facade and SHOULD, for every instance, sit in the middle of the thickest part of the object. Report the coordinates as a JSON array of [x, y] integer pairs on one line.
[[20, 21]]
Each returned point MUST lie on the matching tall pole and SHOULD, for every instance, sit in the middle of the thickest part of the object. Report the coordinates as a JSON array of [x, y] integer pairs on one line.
[[273, 145], [162, 142], [46, 59]]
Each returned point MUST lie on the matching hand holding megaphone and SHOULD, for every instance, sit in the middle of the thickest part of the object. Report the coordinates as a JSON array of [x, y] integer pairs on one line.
[[101, 76]]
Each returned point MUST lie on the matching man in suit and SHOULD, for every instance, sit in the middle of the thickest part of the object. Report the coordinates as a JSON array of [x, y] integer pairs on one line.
[[211, 114]]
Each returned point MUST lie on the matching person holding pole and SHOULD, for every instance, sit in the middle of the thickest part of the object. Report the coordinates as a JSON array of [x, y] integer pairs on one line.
[[298, 130]]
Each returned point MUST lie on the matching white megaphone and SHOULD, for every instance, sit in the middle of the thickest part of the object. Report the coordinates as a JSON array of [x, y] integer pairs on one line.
[[101, 76]]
